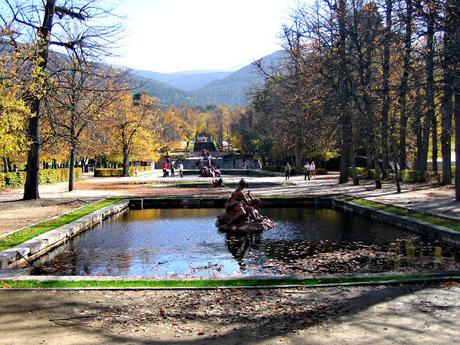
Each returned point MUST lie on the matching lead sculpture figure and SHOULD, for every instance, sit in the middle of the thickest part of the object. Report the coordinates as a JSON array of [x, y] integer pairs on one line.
[[241, 212]]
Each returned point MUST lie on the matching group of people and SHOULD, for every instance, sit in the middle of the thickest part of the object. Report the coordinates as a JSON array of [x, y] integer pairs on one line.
[[309, 170], [169, 169]]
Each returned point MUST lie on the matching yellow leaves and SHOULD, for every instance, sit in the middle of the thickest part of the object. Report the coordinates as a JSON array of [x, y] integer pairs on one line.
[[13, 115], [13, 111]]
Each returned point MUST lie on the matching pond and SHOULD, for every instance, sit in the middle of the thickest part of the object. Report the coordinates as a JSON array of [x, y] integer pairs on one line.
[[185, 243]]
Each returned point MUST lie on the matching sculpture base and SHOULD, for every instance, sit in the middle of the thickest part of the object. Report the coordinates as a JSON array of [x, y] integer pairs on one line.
[[248, 226]]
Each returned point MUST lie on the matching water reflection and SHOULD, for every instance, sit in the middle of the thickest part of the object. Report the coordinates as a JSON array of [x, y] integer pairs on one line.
[[185, 242]]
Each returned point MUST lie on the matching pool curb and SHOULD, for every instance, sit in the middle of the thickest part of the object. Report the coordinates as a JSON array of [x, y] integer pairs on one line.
[[37, 246], [408, 223]]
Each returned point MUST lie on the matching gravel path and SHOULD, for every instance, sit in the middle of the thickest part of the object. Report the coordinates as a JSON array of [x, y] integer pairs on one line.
[[341, 315]]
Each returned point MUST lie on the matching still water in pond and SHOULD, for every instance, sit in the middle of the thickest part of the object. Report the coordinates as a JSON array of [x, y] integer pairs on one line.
[[185, 242]]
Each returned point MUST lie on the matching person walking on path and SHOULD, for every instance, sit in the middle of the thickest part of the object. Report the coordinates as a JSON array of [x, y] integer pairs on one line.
[[312, 169], [172, 170], [306, 170], [165, 169], [181, 169], [287, 171]]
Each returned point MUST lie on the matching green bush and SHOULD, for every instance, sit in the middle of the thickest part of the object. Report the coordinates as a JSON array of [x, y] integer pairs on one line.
[[413, 176], [17, 179], [320, 171], [362, 172], [107, 172]]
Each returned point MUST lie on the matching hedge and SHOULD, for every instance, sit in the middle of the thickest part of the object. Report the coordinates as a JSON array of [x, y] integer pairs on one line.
[[17, 179], [412, 176], [118, 172], [362, 172], [320, 171]]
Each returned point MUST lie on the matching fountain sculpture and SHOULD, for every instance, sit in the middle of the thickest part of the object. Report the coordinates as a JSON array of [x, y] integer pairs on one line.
[[241, 212]]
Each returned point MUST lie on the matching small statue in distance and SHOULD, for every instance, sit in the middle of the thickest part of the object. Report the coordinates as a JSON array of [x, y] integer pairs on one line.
[[218, 183], [241, 212]]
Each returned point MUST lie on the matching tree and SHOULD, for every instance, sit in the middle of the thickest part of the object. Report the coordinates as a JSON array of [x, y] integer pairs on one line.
[[403, 86], [386, 83], [80, 91], [79, 29], [14, 111], [133, 122]]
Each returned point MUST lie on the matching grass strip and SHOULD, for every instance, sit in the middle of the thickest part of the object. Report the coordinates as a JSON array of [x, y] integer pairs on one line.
[[432, 219], [30, 232], [211, 283]]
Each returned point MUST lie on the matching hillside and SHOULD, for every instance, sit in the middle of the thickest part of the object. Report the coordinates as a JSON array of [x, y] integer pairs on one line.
[[235, 89], [187, 81], [205, 88], [167, 94]]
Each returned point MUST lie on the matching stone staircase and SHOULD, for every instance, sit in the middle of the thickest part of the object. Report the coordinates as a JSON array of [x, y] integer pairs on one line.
[[204, 145]]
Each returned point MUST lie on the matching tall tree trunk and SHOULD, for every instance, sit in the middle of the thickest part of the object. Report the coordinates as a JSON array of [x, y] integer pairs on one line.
[[125, 161], [72, 167], [33, 129], [403, 87], [457, 139], [347, 131], [454, 8], [5, 164], [378, 182], [298, 155], [446, 119], [430, 116], [369, 160], [353, 167], [418, 125], [386, 85]]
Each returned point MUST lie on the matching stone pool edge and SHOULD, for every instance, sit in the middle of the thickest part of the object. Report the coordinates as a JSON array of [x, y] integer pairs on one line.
[[408, 223], [41, 244]]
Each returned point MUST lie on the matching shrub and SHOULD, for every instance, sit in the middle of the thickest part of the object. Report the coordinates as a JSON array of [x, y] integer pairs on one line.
[[362, 172], [17, 179], [413, 176], [107, 172], [320, 171]]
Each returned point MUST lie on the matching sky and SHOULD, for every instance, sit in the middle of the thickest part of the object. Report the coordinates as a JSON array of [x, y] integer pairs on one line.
[[185, 35]]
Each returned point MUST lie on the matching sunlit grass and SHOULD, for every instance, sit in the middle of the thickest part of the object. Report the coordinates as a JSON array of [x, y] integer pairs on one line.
[[432, 219], [30, 232], [215, 283]]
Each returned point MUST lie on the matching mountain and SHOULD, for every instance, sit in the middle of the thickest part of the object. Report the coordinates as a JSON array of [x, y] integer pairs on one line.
[[166, 94], [206, 88], [236, 88], [188, 81]]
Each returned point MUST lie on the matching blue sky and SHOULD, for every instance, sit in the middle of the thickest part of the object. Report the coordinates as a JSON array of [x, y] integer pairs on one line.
[[184, 35]]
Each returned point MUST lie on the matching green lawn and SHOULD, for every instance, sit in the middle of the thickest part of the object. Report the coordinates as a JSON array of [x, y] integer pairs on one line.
[[213, 283], [30, 232], [403, 212]]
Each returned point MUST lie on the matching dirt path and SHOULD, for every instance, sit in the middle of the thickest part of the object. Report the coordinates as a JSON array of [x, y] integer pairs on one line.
[[352, 315]]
